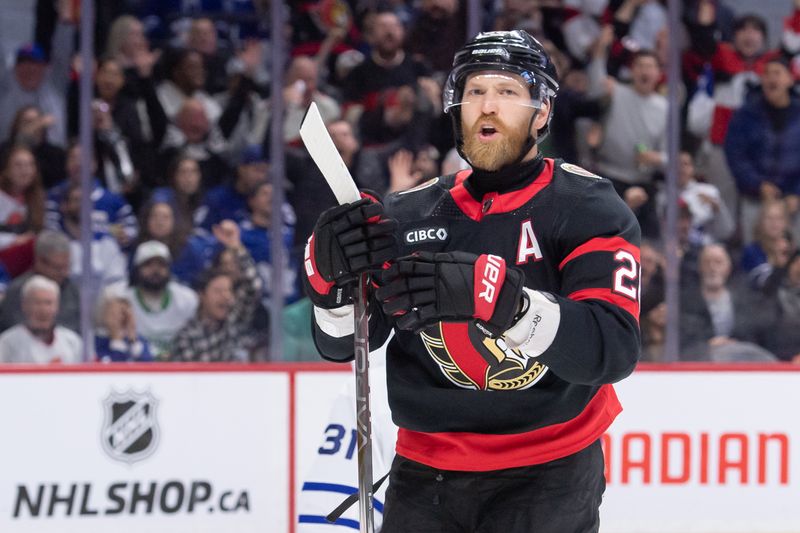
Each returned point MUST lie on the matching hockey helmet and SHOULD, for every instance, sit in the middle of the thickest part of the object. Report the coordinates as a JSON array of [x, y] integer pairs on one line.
[[516, 52]]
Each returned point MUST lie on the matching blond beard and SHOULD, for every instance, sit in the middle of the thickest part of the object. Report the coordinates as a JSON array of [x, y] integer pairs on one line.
[[494, 155]]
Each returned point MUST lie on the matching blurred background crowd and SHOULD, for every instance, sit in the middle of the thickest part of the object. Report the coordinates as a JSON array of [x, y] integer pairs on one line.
[[181, 196]]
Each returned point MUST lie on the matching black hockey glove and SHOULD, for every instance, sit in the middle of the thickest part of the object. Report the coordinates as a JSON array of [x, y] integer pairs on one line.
[[347, 240], [425, 288]]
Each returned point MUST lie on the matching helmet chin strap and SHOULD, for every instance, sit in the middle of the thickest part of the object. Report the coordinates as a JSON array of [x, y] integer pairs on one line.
[[530, 142]]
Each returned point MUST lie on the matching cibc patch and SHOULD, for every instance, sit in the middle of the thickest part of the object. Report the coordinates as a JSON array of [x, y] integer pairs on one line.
[[429, 234]]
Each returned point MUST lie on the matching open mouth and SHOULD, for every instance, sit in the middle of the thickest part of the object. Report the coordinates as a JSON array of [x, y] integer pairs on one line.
[[487, 132]]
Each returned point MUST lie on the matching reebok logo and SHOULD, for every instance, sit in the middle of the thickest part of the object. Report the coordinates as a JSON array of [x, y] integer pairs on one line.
[[534, 325], [420, 235]]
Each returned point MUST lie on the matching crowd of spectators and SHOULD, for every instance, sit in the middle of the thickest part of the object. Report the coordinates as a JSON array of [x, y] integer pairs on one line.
[[182, 185]]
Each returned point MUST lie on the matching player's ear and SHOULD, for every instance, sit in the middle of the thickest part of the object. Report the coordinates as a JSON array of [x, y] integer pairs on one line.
[[540, 121]]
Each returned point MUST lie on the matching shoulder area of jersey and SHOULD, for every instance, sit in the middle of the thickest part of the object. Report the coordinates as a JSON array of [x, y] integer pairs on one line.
[[424, 185], [578, 171]]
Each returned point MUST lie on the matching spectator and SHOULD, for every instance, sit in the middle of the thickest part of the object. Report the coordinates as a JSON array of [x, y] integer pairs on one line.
[[129, 124], [108, 263], [519, 15], [574, 110], [724, 17], [47, 15], [726, 71], [438, 31], [161, 307], [716, 322], [772, 244], [762, 146], [21, 198], [111, 214], [202, 38], [256, 237], [29, 129], [783, 289], [381, 93], [217, 332], [256, 335], [300, 91], [127, 42], [366, 165], [711, 219], [37, 81], [51, 260], [116, 338], [654, 333], [652, 276], [639, 22], [689, 247], [192, 249], [653, 309], [183, 192], [229, 201], [790, 38], [40, 339], [634, 131], [407, 170], [186, 78], [245, 119], [193, 135], [169, 20], [581, 27]]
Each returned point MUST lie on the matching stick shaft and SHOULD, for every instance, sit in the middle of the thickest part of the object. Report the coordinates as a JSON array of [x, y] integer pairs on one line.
[[320, 145], [363, 424]]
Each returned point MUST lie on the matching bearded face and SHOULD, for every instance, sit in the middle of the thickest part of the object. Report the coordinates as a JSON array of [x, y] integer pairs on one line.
[[490, 144], [153, 275], [497, 118]]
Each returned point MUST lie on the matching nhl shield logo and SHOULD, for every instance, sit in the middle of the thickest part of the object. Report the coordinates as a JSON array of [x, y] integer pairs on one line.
[[130, 429]]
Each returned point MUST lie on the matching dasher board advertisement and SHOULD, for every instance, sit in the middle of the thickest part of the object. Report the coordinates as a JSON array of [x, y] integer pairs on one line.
[[133, 452], [704, 452], [697, 449]]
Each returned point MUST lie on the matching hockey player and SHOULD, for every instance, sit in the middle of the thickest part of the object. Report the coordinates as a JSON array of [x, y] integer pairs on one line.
[[513, 291]]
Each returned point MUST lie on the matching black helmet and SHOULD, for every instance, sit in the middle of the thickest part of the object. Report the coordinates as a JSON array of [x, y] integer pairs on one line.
[[511, 51]]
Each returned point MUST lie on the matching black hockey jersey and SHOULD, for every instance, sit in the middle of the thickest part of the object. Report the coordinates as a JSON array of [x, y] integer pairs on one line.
[[464, 401]]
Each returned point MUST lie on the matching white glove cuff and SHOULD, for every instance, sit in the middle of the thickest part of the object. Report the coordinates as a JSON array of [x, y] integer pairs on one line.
[[536, 330], [338, 322]]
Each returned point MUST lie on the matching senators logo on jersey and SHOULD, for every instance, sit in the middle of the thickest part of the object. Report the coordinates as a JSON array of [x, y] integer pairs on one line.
[[471, 360]]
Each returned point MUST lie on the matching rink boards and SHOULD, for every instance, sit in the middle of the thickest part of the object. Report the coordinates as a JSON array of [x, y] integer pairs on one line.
[[218, 448]]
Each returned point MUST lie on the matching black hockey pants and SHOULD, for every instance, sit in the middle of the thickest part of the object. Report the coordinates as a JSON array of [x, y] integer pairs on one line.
[[562, 496]]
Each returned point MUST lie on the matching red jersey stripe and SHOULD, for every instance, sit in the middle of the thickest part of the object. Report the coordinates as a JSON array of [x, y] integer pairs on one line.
[[456, 336], [608, 295], [501, 203], [462, 197], [480, 452], [601, 244]]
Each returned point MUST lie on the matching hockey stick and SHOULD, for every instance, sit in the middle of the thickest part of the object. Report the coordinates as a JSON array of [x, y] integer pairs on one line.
[[320, 145]]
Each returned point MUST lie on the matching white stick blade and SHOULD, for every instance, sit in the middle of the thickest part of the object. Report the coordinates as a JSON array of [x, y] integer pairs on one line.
[[320, 145]]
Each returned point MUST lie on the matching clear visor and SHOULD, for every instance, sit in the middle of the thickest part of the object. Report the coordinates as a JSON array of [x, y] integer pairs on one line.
[[498, 88]]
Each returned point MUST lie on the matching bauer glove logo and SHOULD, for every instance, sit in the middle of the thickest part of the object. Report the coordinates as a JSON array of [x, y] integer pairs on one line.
[[493, 266]]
